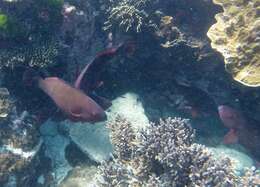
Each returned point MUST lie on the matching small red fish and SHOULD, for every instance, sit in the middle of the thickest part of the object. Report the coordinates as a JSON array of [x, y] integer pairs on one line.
[[73, 102], [232, 119], [89, 78], [240, 131], [191, 110], [231, 137]]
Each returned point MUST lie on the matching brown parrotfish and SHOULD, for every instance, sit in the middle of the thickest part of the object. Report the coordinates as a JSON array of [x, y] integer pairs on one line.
[[89, 78], [73, 102], [79, 103]]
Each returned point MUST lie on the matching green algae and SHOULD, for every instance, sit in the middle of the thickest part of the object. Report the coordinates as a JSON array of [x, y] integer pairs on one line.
[[3, 21]]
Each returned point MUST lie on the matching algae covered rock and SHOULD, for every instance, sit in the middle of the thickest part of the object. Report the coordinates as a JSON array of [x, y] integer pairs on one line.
[[5, 103], [19, 144], [236, 36]]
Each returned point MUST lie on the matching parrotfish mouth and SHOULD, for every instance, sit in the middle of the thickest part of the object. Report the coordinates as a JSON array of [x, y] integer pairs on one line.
[[225, 111], [231, 117]]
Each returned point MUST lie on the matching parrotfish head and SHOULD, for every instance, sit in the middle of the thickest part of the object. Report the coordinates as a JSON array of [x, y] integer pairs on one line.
[[98, 116], [230, 117], [95, 115], [88, 114]]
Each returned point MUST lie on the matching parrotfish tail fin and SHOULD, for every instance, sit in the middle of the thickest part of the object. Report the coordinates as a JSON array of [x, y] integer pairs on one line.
[[231, 137], [101, 101], [30, 77]]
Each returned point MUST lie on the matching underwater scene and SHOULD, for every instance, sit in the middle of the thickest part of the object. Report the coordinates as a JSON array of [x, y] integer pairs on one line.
[[129, 93]]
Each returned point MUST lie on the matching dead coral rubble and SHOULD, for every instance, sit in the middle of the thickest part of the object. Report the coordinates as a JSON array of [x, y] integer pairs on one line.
[[164, 154]]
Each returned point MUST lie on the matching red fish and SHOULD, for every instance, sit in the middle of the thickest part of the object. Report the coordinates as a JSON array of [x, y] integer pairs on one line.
[[240, 131], [89, 78], [232, 119], [73, 102]]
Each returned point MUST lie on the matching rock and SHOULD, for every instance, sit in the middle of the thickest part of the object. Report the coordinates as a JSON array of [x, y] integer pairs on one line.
[[55, 145], [91, 139], [80, 176], [130, 107]]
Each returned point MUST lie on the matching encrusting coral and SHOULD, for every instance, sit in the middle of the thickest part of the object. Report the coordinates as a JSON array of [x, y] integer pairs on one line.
[[236, 36], [36, 55], [164, 154]]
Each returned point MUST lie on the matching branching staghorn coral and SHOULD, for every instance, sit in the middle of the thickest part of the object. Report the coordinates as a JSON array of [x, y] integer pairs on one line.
[[127, 14], [251, 178], [164, 154]]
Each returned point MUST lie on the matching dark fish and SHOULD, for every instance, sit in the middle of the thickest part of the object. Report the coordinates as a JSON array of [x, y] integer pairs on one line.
[[232, 119], [73, 102], [89, 78], [241, 131]]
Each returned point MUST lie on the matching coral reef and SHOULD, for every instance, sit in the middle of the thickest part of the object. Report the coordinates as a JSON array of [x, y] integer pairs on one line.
[[20, 143], [26, 20], [128, 15], [236, 36], [79, 34], [167, 30], [251, 178], [28, 32], [165, 154], [35, 55], [5, 103], [166, 65]]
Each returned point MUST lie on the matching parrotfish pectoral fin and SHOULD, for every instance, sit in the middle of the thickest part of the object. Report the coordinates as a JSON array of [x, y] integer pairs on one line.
[[231, 137]]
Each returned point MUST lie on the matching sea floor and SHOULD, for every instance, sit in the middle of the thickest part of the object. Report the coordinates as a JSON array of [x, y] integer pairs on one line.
[[91, 143]]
